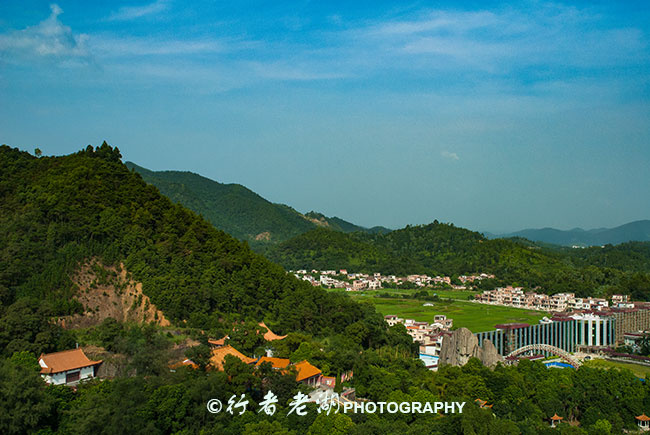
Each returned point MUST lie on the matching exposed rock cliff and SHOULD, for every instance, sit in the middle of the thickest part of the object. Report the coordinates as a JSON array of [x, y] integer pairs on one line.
[[462, 345]]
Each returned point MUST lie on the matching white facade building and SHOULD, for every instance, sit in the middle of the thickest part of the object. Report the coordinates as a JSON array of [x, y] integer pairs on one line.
[[68, 367]]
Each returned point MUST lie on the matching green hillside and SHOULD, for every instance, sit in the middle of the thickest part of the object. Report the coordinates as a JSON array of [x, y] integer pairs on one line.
[[56, 212], [239, 211], [444, 249], [230, 207]]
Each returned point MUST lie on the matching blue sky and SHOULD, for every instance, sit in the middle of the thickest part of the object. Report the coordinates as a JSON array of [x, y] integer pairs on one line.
[[493, 116]]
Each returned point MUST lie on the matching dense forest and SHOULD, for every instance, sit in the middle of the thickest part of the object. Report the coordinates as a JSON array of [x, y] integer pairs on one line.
[[239, 211], [153, 400], [444, 249], [57, 212]]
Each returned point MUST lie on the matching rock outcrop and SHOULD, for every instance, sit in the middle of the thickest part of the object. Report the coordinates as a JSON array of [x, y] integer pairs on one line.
[[462, 345], [490, 356]]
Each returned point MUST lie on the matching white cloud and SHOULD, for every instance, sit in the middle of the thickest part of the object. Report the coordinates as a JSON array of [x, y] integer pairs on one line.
[[439, 21], [127, 13], [49, 39], [294, 71], [503, 40], [131, 46], [448, 155]]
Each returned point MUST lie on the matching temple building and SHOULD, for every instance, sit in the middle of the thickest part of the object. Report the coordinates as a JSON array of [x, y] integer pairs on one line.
[[644, 422], [68, 367]]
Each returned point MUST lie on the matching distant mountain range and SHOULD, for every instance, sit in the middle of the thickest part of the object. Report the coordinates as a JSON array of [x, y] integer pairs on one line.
[[246, 215], [633, 231], [239, 211]]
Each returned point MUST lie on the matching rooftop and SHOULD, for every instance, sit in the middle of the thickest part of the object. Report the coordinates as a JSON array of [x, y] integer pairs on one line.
[[58, 362], [276, 363], [219, 355], [306, 370], [270, 335]]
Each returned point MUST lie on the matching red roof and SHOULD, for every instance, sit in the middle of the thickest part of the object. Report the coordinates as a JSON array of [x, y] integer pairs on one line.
[[65, 360]]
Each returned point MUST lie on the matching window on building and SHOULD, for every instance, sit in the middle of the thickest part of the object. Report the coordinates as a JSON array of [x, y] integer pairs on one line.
[[72, 376]]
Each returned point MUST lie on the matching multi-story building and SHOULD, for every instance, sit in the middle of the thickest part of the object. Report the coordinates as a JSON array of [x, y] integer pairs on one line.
[[563, 332]]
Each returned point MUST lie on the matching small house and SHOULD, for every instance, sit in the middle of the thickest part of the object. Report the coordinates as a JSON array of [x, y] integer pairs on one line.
[[68, 367]]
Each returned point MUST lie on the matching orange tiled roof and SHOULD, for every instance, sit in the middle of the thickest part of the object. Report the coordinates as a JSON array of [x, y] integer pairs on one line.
[[270, 335], [306, 370], [219, 342], [218, 356], [643, 417], [184, 363], [556, 417], [277, 363], [66, 360]]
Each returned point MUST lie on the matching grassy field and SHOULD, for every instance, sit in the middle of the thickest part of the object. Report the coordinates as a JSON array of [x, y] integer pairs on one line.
[[639, 370], [475, 317], [455, 294]]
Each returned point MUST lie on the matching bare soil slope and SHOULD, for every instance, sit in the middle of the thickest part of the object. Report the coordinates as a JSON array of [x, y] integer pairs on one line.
[[106, 291]]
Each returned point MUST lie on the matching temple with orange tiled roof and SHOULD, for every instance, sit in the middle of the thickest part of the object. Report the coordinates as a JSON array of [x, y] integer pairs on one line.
[[276, 363], [556, 419], [68, 367], [270, 335], [217, 343], [483, 403], [643, 422], [185, 363], [219, 355], [307, 373]]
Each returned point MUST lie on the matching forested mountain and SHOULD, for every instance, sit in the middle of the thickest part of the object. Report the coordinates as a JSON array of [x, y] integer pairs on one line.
[[440, 248], [57, 212], [338, 224], [638, 231], [238, 210]]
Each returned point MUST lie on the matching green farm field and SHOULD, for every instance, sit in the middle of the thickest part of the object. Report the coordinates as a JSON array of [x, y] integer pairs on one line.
[[638, 369], [475, 317]]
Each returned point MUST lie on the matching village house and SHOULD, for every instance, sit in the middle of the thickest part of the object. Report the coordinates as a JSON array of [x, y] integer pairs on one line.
[[359, 284], [559, 302], [68, 367]]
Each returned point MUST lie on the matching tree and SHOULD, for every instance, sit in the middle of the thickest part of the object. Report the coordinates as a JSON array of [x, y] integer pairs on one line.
[[333, 424], [24, 404], [200, 355]]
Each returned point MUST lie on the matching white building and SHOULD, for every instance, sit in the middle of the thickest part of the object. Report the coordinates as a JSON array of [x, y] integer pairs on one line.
[[68, 367]]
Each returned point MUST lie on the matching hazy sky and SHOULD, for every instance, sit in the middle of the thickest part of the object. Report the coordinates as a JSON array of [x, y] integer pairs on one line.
[[493, 116]]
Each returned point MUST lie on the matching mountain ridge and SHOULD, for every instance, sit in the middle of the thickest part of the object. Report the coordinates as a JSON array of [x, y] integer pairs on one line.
[[238, 210], [635, 231]]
